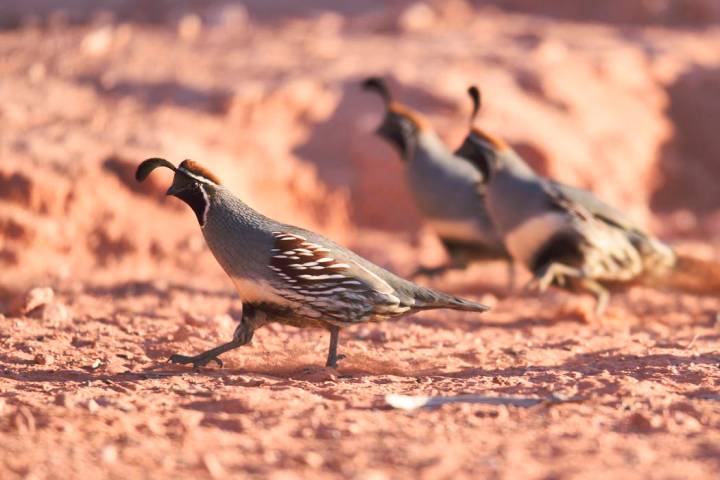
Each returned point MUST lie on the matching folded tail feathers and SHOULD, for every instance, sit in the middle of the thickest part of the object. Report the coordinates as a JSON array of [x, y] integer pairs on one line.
[[441, 300]]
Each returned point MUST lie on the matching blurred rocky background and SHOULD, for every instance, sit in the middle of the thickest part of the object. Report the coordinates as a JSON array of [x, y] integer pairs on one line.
[[622, 97]]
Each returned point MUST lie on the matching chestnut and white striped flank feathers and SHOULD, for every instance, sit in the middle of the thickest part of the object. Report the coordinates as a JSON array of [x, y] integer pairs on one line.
[[344, 290]]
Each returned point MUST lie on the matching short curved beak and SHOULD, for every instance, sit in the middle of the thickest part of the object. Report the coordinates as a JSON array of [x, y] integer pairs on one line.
[[173, 190]]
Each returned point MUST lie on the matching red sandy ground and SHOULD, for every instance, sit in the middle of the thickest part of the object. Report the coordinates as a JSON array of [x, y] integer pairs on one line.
[[273, 107]]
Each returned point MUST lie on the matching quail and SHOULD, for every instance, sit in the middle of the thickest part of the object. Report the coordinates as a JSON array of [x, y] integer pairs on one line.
[[565, 236], [447, 190], [287, 274]]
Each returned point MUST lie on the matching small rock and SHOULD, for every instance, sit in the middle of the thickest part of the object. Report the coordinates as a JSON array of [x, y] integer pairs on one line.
[[641, 423], [97, 42], [43, 359], [125, 406], [92, 406], [125, 355], [196, 320], [109, 454], [33, 299], [417, 17], [314, 460], [64, 400]]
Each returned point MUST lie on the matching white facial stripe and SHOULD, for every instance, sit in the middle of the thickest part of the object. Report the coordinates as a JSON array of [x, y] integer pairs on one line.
[[207, 206], [195, 176]]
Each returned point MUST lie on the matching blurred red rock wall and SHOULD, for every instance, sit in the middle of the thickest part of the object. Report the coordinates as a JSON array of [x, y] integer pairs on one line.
[[611, 96]]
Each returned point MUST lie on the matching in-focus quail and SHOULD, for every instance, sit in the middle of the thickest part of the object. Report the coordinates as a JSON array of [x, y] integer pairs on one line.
[[287, 274], [565, 236], [447, 190]]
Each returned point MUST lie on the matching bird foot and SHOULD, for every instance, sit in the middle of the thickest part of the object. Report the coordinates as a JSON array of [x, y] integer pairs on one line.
[[197, 361], [548, 275], [331, 364]]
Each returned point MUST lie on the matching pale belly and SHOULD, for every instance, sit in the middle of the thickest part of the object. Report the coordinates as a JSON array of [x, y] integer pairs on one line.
[[525, 240], [257, 292]]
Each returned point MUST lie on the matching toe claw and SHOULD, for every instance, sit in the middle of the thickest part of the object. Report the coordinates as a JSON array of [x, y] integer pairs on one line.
[[197, 361]]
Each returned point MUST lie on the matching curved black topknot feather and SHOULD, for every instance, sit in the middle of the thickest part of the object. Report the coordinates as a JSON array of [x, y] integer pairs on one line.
[[378, 85], [149, 165], [474, 93]]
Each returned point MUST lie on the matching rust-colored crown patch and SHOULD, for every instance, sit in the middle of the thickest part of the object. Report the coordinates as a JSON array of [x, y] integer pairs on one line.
[[197, 169], [418, 120], [496, 142]]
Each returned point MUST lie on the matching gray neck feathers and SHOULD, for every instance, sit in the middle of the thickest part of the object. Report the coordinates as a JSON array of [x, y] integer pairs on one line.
[[512, 162], [432, 155], [236, 233], [515, 193], [447, 188]]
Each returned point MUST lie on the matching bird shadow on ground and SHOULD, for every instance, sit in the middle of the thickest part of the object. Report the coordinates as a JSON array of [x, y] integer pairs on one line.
[[647, 367], [136, 288], [605, 368]]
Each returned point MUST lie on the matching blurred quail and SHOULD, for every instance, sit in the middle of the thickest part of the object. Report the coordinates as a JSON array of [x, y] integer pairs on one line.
[[446, 189], [289, 275], [566, 236]]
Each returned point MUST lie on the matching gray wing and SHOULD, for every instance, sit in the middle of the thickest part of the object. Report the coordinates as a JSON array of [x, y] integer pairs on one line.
[[595, 206], [328, 282]]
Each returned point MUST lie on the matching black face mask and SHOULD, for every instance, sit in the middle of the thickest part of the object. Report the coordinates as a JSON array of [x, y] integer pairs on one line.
[[195, 197], [400, 132], [477, 156]]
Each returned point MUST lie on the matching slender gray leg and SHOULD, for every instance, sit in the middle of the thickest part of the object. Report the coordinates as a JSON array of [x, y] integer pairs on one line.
[[242, 335], [332, 357]]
